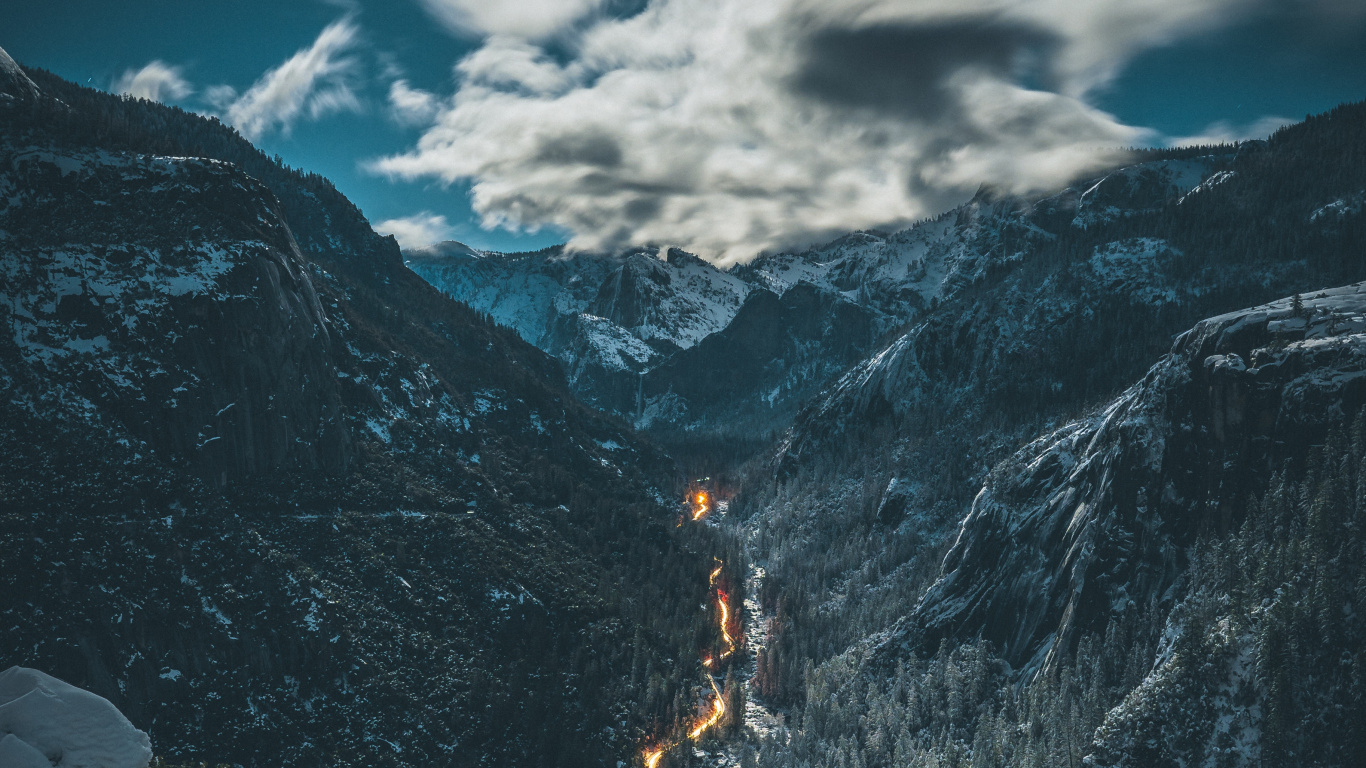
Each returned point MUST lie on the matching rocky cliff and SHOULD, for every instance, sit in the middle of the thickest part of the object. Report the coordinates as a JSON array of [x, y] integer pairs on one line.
[[1096, 518]]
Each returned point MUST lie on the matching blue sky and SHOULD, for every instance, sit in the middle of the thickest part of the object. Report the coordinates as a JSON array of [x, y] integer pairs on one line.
[[610, 122]]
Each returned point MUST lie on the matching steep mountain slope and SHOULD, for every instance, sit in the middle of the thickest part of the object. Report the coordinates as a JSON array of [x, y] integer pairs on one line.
[[612, 320], [776, 352], [281, 501], [1081, 523], [1168, 581]]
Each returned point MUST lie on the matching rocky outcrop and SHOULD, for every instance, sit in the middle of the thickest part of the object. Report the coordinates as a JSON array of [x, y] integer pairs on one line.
[[171, 294], [748, 378], [15, 87], [1092, 520], [46, 723]]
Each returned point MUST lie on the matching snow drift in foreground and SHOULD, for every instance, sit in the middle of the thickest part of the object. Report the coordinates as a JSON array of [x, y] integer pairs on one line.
[[46, 723]]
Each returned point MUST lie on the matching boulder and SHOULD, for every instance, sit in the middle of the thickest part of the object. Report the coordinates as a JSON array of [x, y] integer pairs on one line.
[[47, 723]]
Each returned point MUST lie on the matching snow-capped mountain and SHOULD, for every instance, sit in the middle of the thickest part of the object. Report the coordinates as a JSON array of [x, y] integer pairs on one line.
[[669, 300], [628, 327], [629, 331]]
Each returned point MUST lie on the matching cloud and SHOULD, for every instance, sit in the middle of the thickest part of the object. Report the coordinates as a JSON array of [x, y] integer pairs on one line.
[[412, 106], [417, 230], [1224, 132], [316, 81], [532, 19], [158, 81], [731, 127], [220, 97]]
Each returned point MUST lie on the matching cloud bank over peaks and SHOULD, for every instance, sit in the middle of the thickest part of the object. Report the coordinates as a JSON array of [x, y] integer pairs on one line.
[[158, 81], [732, 127]]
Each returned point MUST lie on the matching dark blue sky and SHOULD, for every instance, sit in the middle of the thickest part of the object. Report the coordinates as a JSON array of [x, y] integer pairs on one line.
[[1278, 63]]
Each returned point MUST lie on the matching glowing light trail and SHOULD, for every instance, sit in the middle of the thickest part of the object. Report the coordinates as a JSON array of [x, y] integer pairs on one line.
[[703, 506], [652, 755], [725, 620], [718, 710]]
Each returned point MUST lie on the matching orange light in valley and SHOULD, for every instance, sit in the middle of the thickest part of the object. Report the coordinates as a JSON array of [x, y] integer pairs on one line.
[[652, 755], [703, 506], [725, 620], [718, 710]]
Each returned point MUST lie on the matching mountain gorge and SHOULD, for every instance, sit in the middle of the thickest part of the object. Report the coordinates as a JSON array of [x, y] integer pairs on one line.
[[988, 496], [691, 353], [1072, 478], [629, 327]]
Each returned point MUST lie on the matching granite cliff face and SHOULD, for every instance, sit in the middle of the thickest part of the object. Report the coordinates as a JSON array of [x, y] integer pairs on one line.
[[1010, 499], [174, 298], [1096, 518], [745, 382]]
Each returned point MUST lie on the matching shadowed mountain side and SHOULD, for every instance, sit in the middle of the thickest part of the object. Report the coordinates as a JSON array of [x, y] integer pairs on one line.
[[280, 500]]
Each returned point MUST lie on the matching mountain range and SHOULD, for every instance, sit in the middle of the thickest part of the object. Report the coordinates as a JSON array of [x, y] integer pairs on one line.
[[1066, 478]]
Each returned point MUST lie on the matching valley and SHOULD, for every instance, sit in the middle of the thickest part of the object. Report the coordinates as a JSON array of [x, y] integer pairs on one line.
[[1075, 477]]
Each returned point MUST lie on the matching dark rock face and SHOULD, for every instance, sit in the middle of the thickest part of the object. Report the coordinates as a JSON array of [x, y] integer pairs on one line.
[[197, 326], [895, 502], [776, 352], [1084, 523], [630, 295]]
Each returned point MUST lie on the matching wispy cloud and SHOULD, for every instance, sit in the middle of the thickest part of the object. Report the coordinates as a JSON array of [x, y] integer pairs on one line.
[[318, 80], [412, 106], [533, 19], [1224, 132], [417, 230], [157, 81]]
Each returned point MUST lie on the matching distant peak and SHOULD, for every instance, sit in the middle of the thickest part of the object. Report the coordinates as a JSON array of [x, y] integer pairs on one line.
[[443, 250], [14, 84]]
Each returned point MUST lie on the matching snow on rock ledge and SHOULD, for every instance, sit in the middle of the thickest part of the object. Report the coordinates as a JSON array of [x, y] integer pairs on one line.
[[46, 723]]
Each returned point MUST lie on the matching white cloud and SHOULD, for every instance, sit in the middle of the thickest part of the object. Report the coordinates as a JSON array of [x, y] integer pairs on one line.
[[412, 106], [220, 97], [532, 19], [158, 81], [417, 230], [316, 81], [731, 127], [1224, 132]]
